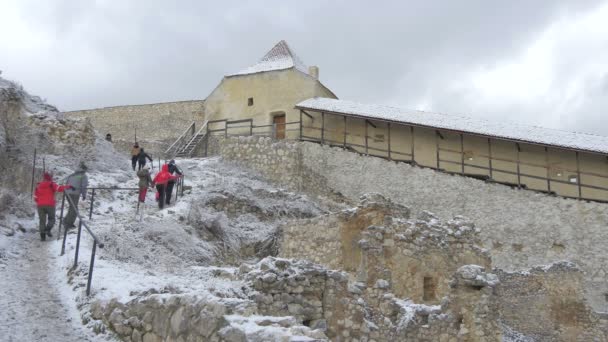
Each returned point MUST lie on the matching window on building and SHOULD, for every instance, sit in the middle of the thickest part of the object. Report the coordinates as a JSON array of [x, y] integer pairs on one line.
[[250, 101], [573, 179], [429, 288]]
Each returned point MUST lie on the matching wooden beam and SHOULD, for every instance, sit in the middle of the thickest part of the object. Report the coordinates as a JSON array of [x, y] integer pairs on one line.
[[437, 148], [439, 134], [322, 127], [305, 113], [413, 149], [389, 140], [462, 152], [490, 157], [548, 169], [371, 123], [344, 143], [366, 145], [518, 171], [301, 123], [578, 176]]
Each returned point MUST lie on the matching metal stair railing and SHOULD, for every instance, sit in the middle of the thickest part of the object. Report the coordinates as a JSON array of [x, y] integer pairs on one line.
[[82, 223], [96, 241], [187, 149], [179, 142]]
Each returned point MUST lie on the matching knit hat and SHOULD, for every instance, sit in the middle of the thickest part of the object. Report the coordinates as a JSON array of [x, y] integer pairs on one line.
[[47, 176], [83, 166]]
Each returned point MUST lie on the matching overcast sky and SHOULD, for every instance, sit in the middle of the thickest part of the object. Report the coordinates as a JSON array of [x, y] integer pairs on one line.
[[541, 62]]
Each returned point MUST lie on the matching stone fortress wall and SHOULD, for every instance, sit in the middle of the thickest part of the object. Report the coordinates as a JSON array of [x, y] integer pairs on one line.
[[156, 125], [520, 228]]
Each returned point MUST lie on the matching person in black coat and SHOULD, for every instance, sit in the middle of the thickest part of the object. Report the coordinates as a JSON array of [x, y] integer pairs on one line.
[[172, 170], [141, 158]]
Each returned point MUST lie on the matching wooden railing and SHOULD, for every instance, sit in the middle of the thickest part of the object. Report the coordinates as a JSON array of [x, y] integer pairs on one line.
[[490, 170], [368, 145]]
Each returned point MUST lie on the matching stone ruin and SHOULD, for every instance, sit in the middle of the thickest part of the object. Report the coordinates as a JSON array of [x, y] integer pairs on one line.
[[372, 273]]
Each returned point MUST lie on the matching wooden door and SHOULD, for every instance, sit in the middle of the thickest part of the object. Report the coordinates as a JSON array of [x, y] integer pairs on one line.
[[279, 126]]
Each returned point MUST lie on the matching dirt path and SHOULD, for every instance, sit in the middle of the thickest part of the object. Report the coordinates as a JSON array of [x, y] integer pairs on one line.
[[31, 306]]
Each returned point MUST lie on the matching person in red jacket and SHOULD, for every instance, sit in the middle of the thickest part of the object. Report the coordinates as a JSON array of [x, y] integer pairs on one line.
[[45, 201], [161, 179]]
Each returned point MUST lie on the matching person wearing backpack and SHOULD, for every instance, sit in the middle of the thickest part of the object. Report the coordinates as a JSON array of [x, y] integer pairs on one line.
[[45, 203], [161, 179], [145, 181], [141, 158], [135, 155], [78, 182], [172, 168]]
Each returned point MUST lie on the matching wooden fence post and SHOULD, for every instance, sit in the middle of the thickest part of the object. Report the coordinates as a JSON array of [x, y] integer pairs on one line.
[[578, 176], [322, 127], [490, 157], [366, 142], [437, 148], [301, 124], [462, 153], [413, 150], [548, 169], [344, 143], [518, 168], [389, 140]]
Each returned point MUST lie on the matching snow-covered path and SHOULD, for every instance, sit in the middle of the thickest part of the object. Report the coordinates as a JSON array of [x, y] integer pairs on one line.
[[32, 308]]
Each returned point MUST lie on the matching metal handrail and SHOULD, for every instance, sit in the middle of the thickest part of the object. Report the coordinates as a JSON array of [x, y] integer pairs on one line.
[[191, 127], [81, 223], [197, 133], [202, 128], [105, 188], [96, 241]]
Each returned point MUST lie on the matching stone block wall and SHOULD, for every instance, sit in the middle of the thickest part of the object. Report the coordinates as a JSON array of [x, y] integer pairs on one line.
[[556, 288], [378, 245], [155, 124], [187, 318], [521, 229], [326, 300]]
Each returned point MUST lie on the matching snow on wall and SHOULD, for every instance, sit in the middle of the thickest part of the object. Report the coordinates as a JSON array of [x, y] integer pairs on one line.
[[520, 228], [530, 134]]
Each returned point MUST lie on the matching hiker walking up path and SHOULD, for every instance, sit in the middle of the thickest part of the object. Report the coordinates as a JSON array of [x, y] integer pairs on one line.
[[31, 307]]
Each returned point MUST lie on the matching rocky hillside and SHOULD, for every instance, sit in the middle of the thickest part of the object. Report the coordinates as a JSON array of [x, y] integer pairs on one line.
[[28, 124]]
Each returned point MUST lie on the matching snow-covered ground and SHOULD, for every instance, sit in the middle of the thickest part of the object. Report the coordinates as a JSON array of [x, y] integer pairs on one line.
[[226, 217], [193, 246], [36, 302]]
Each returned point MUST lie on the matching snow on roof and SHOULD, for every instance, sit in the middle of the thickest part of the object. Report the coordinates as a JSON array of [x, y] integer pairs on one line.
[[280, 57], [509, 131]]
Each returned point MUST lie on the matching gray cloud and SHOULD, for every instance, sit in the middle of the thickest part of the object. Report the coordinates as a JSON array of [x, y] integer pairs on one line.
[[90, 54]]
